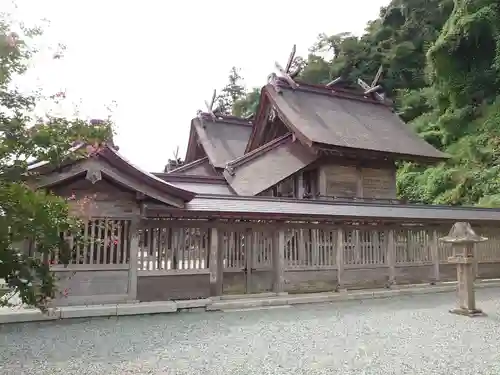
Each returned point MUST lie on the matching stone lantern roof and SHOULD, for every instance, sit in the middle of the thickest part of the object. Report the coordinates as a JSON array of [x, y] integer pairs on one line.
[[462, 233]]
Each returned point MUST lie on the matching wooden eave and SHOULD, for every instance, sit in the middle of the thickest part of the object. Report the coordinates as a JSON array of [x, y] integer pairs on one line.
[[116, 160], [191, 165], [193, 150], [109, 163], [281, 209], [173, 177], [355, 153], [259, 151]]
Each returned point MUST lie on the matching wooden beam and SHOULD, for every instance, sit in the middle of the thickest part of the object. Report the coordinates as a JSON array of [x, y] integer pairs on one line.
[[215, 264], [378, 76], [278, 249], [333, 82], [373, 89], [51, 179], [134, 257], [290, 59], [211, 105]]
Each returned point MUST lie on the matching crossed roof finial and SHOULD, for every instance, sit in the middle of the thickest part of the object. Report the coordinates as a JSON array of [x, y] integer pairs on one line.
[[374, 88], [286, 74]]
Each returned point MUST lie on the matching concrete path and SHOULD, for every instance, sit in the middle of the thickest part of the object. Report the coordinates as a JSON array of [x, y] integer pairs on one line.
[[402, 335]]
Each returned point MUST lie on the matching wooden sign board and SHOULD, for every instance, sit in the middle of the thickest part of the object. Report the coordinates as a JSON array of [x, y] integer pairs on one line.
[[379, 183], [340, 181]]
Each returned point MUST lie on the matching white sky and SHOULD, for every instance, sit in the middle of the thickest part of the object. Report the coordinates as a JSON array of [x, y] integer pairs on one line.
[[160, 60]]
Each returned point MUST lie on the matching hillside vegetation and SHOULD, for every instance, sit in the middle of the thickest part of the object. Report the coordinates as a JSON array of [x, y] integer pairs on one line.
[[441, 62]]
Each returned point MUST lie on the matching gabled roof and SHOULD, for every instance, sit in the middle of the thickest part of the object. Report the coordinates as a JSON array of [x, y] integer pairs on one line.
[[200, 167], [197, 183], [265, 166], [223, 139], [343, 120], [109, 162]]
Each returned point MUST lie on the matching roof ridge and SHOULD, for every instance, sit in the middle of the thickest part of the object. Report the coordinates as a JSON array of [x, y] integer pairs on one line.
[[167, 177], [334, 91], [188, 165], [226, 119], [252, 154]]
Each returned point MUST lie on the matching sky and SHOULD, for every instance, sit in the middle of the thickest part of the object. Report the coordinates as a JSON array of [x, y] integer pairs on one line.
[[154, 63]]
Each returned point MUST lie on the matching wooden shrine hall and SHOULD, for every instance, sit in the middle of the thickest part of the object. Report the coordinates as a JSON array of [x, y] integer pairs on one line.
[[300, 198]]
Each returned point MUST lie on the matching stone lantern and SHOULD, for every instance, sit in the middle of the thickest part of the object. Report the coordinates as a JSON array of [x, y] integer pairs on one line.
[[462, 238]]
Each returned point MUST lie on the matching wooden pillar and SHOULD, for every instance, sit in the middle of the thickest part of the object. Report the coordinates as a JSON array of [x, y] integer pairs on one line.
[[134, 258], [279, 261], [215, 263], [249, 251], [435, 256], [220, 262], [315, 247], [340, 258], [357, 246], [359, 182], [377, 250], [302, 248], [391, 256], [300, 185]]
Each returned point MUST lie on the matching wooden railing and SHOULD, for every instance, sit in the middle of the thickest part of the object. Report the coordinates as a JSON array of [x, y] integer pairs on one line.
[[187, 248], [101, 241]]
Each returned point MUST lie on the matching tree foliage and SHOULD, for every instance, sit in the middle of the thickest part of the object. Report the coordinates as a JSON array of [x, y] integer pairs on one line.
[[27, 213], [441, 62], [231, 93]]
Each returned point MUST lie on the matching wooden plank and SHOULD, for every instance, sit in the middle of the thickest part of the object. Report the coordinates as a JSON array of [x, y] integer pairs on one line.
[[160, 249], [85, 244], [340, 257], [378, 183], [214, 263], [107, 241], [223, 225], [391, 256], [89, 267], [248, 254], [92, 236], [201, 271], [339, 180]]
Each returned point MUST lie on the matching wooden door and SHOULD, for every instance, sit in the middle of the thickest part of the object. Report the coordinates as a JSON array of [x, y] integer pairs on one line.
[[259, 276]]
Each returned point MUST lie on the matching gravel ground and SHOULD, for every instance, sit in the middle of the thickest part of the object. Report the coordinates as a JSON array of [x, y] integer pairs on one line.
[[407, 335]]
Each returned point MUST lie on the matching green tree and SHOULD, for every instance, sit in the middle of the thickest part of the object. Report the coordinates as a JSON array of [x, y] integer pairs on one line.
[[26, 213], [231, 93]]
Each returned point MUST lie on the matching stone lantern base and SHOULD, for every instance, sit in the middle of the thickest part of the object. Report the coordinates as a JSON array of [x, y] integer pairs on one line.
[[465, 291], [466, 312]]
